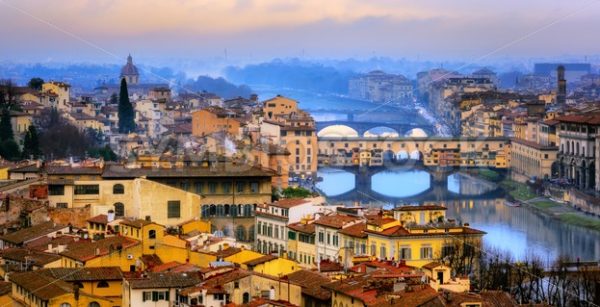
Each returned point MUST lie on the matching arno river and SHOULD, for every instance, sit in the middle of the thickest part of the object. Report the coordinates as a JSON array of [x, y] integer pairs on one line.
[[515, 230]]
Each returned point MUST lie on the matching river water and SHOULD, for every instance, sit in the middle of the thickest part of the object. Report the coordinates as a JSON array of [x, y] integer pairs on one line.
[[518, 231]]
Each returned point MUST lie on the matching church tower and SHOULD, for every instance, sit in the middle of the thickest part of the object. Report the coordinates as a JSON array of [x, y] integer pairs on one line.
[[130, 72]]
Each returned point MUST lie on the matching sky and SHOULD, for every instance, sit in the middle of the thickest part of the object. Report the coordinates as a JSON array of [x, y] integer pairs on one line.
[[164, 30]]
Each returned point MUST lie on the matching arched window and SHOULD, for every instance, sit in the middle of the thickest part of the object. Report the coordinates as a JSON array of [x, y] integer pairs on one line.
[[205, 211], [226, 210], [94, 304], [119, 209], [65, 305], [247, 210], [245, 298], [102, 284], [234, 210], [152, 234], [219, 210], [118, 189], [213, 210]]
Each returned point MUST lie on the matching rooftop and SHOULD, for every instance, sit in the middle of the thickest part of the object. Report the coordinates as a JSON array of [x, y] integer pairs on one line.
[[165, 280], [26, 234], [85, 251]]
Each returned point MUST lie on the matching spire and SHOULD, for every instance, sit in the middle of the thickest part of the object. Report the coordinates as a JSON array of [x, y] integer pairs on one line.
[[129, 59]]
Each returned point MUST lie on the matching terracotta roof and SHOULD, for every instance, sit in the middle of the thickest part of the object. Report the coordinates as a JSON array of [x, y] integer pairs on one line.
[[422, 207], [400, 231], [99, 219], [289, 202], [151, 260], [41, 285], [90, 250], [224, 253], [69, 170], [5, 288], [533, 144], [261, 260], [311, 283], [379, 220], [356, 230], [137, 223], [165, 266], [165, 280], [225, 169], [32, 168], [330, 266], [34, 232], [301, 227], [32, 256], [590, 119], [84, 274], [335, 221]]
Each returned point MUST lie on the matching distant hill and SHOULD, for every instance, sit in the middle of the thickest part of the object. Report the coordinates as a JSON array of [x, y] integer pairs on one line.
[[292, 74], [217, 86]]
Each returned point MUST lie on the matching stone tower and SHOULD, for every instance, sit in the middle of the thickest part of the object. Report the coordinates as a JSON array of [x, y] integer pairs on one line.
[[561, 90]]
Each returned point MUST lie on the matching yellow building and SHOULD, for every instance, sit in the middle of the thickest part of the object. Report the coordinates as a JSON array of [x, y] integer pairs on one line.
[[20, 122], [115, 251], [420, 215], [532, 160], [214, 119], [41, 290], [145, 231], [301, 242], [62, 92], [106, 282], [272, 265]]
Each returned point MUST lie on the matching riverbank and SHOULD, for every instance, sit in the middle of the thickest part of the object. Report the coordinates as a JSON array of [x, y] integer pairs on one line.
[[549, 207]]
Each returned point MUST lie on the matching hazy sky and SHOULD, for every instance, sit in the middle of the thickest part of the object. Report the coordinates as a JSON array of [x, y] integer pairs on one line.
[[41, 30]]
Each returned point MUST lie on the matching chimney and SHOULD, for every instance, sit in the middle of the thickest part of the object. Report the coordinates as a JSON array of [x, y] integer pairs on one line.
[[148, 218]]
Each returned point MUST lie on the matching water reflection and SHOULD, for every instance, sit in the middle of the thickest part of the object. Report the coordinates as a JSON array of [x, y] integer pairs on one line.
[[522, 231], [401, 183], [464, 184], [517, 230], [335, 181]]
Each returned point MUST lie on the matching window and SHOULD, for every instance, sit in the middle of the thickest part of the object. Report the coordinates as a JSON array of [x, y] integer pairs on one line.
[[382, 252], [198, 187], [87, 189], [102, 284], [54, 189], [254, 187], [118, 189], [240, 186], [119, 209], [65, 305], [335, 240], [259, 226], [212, 187], [321, 237], [226, 187], [173, 209], [426, 252], [405, 253], [291, 235], [152, 234]]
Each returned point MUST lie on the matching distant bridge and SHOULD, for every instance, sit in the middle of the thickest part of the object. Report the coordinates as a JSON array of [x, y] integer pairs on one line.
[[437, 191], [362, 127]]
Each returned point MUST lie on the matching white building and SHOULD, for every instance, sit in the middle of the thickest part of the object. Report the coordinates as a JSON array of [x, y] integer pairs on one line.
[[327, 237], [157, 289], [272, 221]]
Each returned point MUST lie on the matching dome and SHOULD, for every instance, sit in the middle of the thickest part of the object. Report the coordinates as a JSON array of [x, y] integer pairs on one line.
[[337, 131], [416, 133], [129, 69]]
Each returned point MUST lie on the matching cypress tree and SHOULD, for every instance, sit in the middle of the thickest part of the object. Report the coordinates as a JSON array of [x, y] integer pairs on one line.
[[31, 144], [126, 114], [6, 132]]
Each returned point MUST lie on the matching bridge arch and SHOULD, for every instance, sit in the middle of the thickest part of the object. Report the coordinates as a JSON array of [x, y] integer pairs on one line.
[[382, 131], [402, 155], [415, 155], [338, 131], [416, 133]]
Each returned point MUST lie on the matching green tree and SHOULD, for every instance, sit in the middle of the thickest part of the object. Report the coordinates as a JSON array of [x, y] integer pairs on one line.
[[9, 150], [6, 131], [36, 83], [299, 192], [31, 144], [126, 114]]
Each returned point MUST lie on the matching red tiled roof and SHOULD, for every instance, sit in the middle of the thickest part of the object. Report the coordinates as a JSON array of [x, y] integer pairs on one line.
[[335, 221], [590, 119], [90, 250], [357, 230], [422, 207], [301, 227], [99, 219]]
